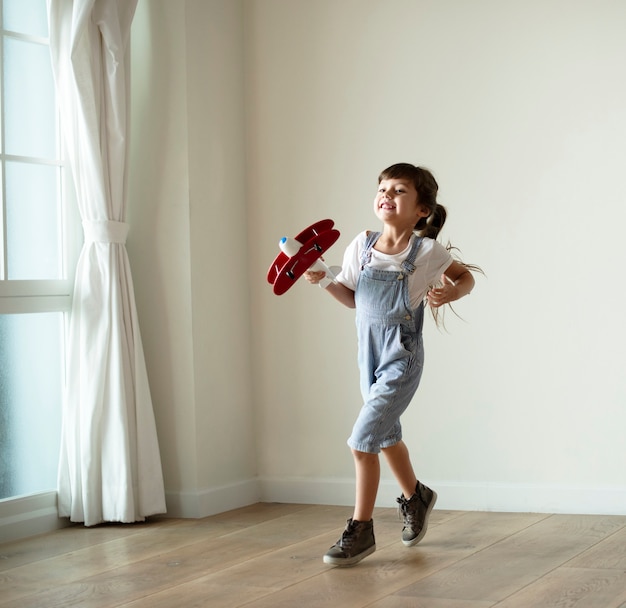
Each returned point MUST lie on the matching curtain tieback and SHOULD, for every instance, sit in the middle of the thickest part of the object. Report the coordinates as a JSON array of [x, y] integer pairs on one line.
[[105, 232]]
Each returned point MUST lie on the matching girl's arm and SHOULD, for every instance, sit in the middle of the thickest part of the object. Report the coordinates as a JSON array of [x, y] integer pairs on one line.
[[340, 292], [458, 281]]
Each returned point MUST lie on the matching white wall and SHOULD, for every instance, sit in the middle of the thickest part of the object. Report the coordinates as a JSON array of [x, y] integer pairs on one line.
[[187, 202], [520, 110]]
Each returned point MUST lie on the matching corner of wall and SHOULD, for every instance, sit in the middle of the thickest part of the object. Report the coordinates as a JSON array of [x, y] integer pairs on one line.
[[211, 501], [29, 515]]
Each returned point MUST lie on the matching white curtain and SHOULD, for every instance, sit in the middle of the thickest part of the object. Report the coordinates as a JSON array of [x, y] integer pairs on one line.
[[110, 467]]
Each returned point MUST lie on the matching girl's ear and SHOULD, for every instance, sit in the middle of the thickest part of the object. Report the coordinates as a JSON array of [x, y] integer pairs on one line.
[[422, 210]]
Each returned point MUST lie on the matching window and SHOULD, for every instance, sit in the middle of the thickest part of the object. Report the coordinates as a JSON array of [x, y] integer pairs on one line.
[[39, 241]]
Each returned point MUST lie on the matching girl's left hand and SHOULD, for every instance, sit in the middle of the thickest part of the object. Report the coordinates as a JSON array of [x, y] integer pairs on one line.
[[438, 296]]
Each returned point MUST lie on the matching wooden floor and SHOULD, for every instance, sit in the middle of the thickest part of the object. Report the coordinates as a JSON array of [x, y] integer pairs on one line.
[[270, 555]]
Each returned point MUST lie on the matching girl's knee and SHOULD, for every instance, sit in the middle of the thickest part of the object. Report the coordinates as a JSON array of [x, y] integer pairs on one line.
[[363, 456]]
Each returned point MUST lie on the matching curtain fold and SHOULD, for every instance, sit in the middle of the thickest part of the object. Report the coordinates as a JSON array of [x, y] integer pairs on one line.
[[110, 466]]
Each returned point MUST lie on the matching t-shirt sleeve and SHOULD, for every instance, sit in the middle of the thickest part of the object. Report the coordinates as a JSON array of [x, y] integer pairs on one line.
[[437, 262], [350, 266]]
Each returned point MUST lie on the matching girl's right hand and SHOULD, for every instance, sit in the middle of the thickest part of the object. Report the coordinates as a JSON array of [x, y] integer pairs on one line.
[[314, 277]]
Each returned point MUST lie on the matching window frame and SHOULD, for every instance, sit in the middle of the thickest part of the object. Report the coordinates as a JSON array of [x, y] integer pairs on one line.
[[18, 296], [32, 296]]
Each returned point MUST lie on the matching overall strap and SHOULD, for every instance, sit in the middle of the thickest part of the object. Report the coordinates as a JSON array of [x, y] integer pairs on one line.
[[408, 265], [366, 254]]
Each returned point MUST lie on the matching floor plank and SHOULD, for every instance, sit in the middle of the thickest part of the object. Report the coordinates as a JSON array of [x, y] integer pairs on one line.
[[573, 587], [392, 566], [519, 560], [394, 601], [270, 555], [579, 587], [610, 553]]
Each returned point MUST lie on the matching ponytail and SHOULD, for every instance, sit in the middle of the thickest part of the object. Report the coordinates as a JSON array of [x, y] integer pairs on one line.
[[438, 314], [431, 226]]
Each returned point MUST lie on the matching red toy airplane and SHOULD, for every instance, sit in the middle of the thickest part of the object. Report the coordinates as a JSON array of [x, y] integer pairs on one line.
[[299, 254]]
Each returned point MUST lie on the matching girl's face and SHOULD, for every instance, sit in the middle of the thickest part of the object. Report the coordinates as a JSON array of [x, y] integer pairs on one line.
[[397, 203]]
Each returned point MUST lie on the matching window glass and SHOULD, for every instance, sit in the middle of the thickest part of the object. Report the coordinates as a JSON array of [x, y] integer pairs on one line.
[[38, 226], [30, 402], [33, 250], [26, 16], [29, 100]]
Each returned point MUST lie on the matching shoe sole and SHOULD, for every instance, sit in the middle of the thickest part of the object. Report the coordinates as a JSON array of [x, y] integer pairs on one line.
[[410, 543], [349, 561]]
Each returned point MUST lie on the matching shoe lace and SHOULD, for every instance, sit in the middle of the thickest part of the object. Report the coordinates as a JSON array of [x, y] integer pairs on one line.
[[405, 511], [348, 536]]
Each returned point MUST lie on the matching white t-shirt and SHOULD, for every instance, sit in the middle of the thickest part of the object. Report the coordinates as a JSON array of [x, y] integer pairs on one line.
[[431, 261]]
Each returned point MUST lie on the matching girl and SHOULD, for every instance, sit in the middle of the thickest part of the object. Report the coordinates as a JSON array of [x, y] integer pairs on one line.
[[386, 277]]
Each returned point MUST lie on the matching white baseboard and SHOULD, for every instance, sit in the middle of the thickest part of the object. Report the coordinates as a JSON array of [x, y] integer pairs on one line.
[[528, 498], [25, 516], [213, 500], [457, 496], [30, 515]]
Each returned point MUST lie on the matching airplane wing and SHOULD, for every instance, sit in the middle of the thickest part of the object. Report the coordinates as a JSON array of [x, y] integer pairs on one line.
[[285, 271], [275, 268], [314, 230]]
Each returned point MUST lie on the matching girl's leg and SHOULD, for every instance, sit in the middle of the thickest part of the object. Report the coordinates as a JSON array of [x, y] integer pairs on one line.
[[367, 478], [400, 464], [417, 500], [357, 540]]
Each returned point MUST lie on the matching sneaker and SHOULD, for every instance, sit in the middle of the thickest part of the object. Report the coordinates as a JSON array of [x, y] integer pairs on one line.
[[415, 511], [356, 542]]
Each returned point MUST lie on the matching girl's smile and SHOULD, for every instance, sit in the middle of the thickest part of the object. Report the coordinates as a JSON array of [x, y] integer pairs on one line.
[[397, 201]]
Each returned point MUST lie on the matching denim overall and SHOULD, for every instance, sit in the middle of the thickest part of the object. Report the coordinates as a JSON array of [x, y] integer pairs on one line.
[[391, 353]]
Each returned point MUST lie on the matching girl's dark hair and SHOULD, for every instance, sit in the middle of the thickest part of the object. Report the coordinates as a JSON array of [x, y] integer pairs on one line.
[[427, 188]]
